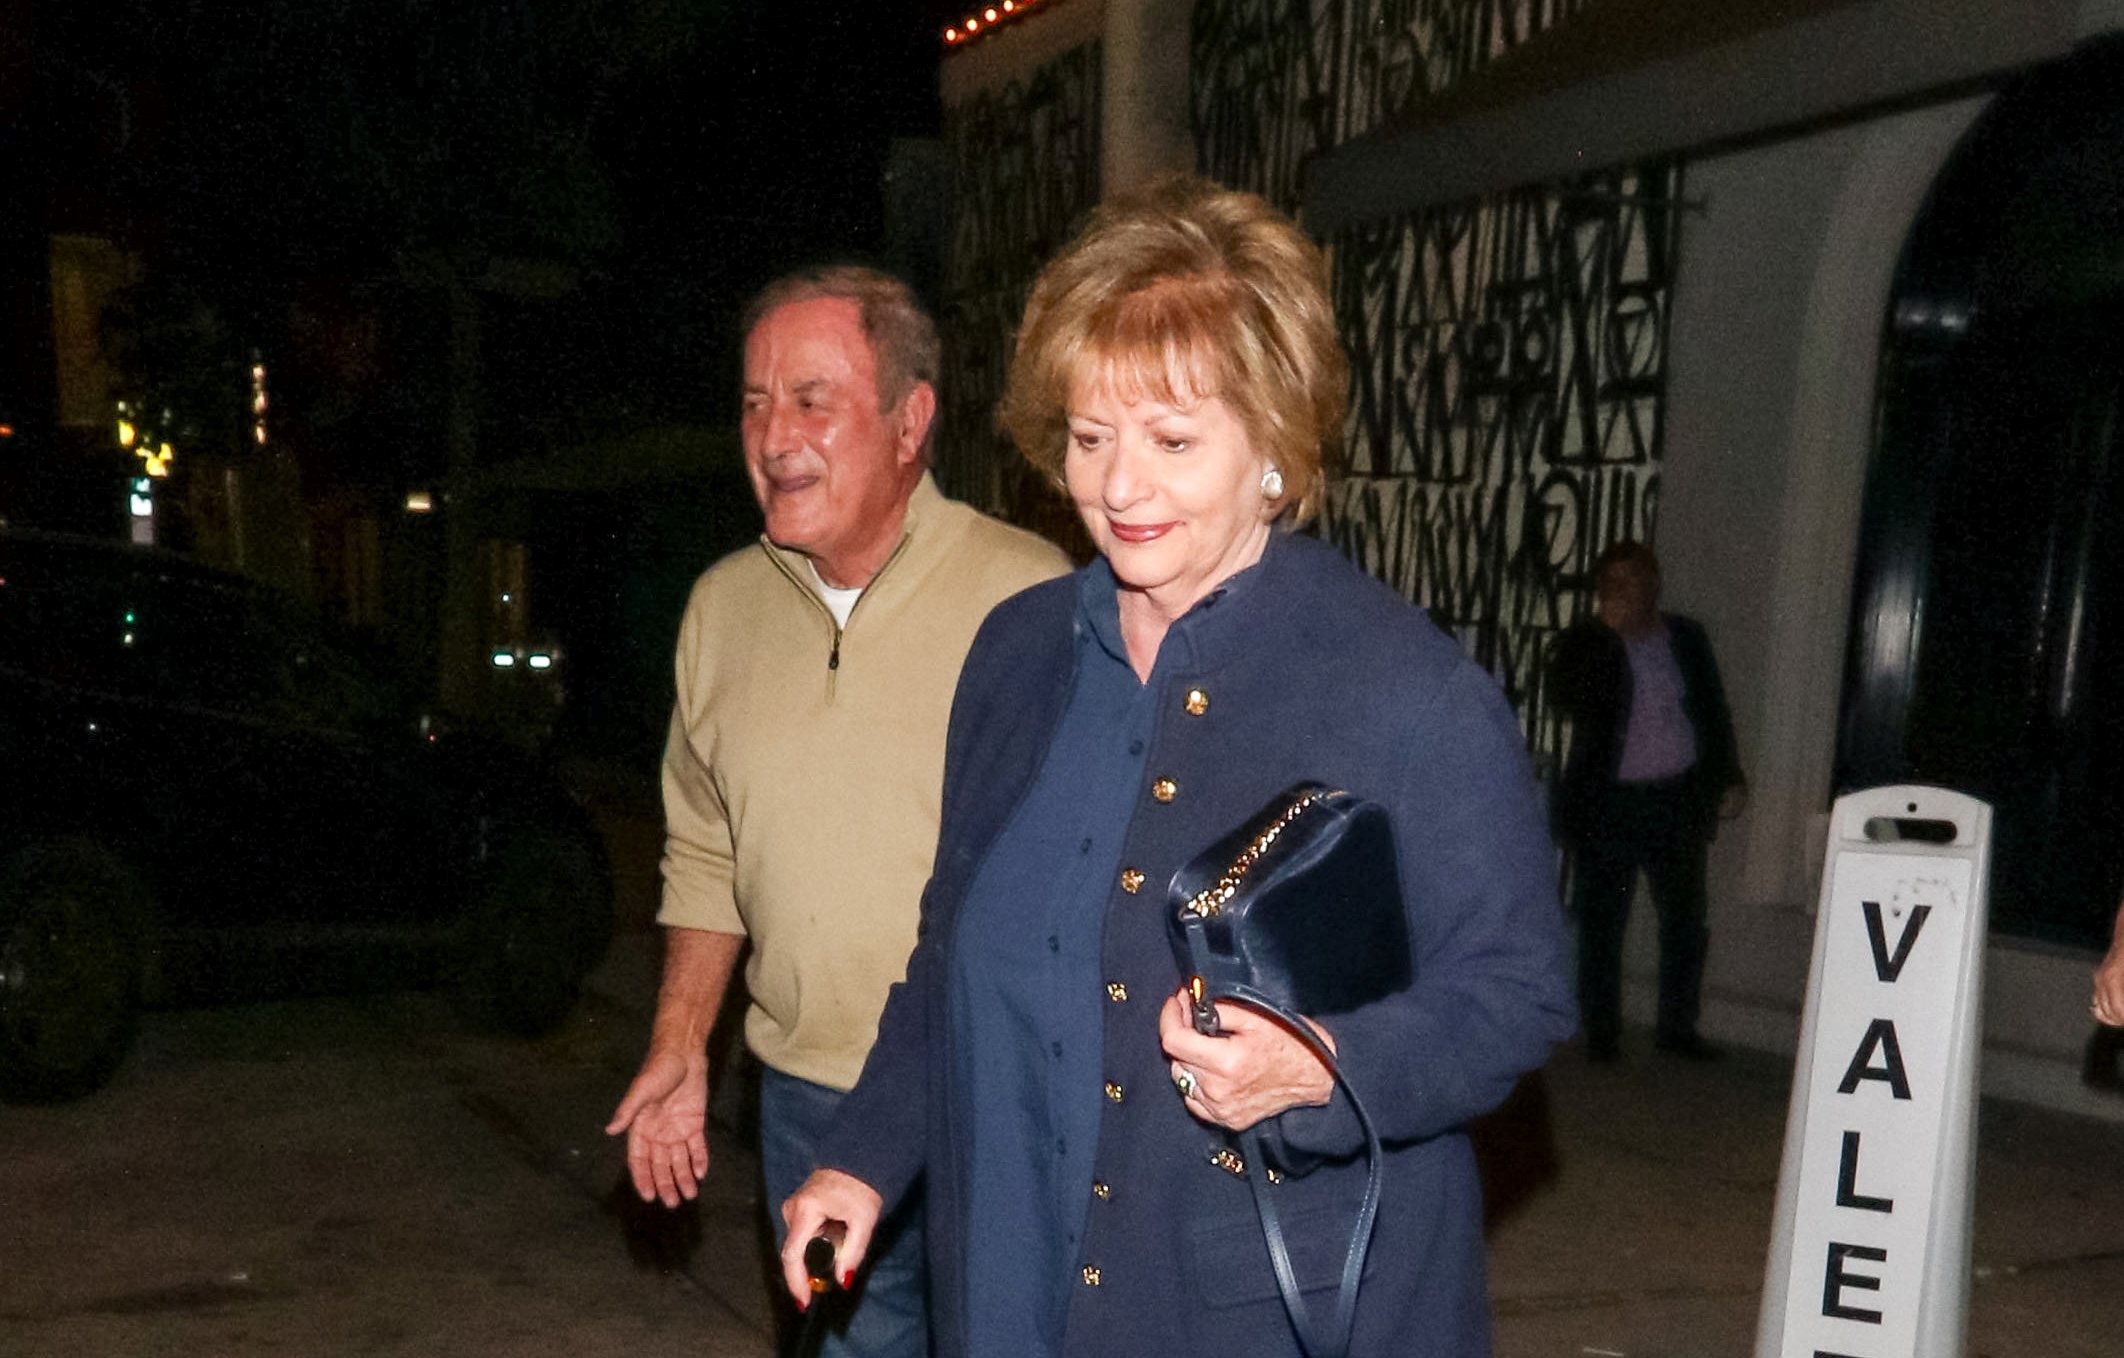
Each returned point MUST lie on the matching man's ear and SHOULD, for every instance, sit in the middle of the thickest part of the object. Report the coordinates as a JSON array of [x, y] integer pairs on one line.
[[918, 409]]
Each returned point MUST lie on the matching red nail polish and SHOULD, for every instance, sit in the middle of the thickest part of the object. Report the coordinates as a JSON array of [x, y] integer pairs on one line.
[[803, 1304], [847, 1279]]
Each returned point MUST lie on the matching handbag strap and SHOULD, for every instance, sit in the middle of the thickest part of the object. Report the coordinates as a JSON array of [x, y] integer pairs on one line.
[[1335, 1341]]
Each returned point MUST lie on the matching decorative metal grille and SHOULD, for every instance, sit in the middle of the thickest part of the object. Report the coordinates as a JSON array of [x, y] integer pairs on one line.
[[1275, 82], [1026, 162], [1508, 386]]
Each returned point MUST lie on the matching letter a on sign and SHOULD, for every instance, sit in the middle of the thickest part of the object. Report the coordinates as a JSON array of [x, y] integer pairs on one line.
[[1869, 1251], [1880, 1045]]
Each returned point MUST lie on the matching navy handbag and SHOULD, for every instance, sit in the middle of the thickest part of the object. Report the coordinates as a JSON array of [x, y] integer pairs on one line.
[[1297, 913]]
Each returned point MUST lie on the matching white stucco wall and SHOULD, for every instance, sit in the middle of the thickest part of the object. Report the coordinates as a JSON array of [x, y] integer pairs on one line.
[[1783, 283]]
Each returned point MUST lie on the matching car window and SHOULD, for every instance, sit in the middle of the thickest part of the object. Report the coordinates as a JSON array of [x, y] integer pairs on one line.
[[196, 647], [140, 630], [78, 630], [319, 682], [248, 653]]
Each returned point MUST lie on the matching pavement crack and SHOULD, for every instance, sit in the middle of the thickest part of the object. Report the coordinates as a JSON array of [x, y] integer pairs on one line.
[[178, 1297], [483, 1090], [516, 1133], [1984, 1272], [1550, 1303]]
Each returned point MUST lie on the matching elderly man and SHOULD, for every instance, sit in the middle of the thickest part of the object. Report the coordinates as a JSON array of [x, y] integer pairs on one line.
[[1652, 767], [803, 775]]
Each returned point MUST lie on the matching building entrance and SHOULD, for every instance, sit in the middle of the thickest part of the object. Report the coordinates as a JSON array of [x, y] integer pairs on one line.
[[1987, 644]]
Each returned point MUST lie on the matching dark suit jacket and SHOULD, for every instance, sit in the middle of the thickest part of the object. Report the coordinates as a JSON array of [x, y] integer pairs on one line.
[[1313, 670], [1589, 681]]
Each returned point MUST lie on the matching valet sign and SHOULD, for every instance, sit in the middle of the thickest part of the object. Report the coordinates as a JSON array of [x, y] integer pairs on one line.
[[1870, 1248]]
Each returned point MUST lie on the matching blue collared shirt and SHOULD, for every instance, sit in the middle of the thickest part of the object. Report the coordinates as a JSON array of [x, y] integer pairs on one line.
[[1026, 992]]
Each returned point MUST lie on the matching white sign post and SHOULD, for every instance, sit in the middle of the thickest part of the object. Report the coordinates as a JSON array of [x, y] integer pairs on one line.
[[1869, 1249]]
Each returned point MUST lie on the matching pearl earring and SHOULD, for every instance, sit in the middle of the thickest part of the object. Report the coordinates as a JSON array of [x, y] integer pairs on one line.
[[1272, 484]]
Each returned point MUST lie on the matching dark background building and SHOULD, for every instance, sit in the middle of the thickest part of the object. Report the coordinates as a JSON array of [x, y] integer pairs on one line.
[[1818, 295], [435, 308]]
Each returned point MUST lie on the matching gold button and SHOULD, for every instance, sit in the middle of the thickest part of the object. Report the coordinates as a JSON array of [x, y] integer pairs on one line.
[[1116, 992], [1091, 1276], [1228, 1160], [1100, 1190], [1131, 881], [1197, 702], [1113, 1091], [1164, 789]]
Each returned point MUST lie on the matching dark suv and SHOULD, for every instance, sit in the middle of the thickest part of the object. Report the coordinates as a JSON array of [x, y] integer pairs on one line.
[[207, 793]]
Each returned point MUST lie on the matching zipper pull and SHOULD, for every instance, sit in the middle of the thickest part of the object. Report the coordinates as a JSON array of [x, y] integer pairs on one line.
[[833, 656]]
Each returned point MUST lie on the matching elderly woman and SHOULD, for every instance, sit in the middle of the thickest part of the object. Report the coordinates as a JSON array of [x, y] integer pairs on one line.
[[1177, 373]]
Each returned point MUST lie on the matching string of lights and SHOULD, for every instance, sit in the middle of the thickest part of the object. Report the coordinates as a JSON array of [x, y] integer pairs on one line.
[[987, 19]]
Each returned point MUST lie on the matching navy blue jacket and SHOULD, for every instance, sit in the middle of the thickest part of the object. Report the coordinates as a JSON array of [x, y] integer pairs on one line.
[[1331, 677]]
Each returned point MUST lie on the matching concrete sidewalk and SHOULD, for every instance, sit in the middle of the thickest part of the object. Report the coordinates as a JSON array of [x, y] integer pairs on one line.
[[1649, 1237], [1631, 1208]]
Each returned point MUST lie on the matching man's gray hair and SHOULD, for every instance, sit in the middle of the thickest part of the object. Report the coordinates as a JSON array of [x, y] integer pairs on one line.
[[903, 338]]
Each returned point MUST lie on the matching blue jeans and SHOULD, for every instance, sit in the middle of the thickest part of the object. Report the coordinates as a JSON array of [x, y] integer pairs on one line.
[[889, 1317]]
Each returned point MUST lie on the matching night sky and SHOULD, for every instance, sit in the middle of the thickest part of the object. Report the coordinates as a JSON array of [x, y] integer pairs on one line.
[[303, 168]]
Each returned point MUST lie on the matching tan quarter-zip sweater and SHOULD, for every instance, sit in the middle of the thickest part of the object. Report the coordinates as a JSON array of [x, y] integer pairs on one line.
[[804, 771]]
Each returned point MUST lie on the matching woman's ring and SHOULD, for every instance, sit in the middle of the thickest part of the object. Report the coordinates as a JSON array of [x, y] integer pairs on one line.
[[1184, 1081]]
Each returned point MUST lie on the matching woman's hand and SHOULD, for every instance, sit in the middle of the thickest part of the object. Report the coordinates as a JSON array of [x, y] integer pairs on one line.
[[1255, 1070], [828, 1195], [2108, 1004]]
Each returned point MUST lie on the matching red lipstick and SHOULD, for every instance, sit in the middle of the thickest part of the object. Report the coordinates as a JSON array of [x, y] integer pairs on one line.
[[1138, 532]]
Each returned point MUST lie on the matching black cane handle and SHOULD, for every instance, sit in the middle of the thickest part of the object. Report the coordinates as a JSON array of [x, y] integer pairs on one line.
[[820, 1258], [820, 1253]]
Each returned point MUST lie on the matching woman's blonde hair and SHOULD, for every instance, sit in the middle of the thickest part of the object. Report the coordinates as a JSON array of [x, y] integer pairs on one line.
[[1178, 293]]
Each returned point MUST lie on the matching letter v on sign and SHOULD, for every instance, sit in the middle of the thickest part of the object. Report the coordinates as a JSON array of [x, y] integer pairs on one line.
[[1886, 966]]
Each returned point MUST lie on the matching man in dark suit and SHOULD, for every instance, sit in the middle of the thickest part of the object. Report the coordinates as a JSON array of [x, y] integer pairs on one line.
[[1652, 768]]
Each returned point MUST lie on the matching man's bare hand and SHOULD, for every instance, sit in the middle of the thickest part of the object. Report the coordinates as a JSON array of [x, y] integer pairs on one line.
[[665, 1117]]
